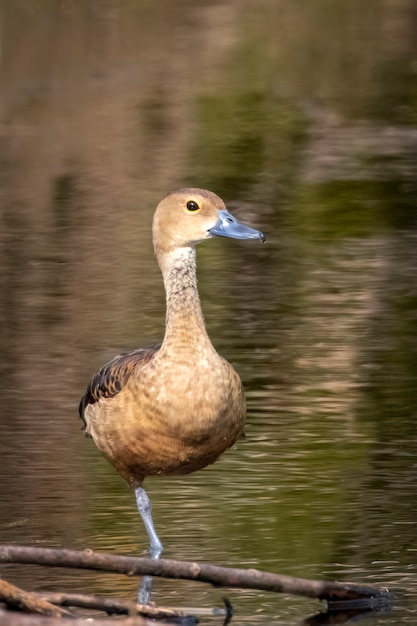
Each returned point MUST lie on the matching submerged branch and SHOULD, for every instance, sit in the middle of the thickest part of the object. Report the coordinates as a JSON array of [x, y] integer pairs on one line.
[[203, 572], [114, 606], [18, 599], [20, 619]]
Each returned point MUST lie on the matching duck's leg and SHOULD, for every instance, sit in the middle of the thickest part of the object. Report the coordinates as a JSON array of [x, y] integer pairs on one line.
[[145, 510], [145, 590]]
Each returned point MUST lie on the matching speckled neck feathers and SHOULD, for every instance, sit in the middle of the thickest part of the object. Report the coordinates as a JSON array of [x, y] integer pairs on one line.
[[184, 318]]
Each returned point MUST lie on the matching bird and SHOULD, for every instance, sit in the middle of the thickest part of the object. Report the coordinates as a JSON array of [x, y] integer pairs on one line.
[[173, 408]]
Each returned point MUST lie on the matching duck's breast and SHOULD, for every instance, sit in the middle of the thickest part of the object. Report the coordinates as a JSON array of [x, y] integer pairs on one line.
[[170, 418]]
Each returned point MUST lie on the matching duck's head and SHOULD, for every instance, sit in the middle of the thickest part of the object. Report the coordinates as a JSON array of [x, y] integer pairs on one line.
[[185, 217]]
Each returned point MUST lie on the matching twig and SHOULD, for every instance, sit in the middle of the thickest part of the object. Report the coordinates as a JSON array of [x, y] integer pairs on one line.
[[203, 572], [111, 606], [16, 598], [19, 619]]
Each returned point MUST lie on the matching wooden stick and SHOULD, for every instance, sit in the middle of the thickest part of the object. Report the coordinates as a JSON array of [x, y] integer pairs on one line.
[[19, 619], [112, 606], [203, 572], [16, 598]]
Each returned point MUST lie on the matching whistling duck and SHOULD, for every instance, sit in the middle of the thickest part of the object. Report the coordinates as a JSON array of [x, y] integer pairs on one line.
[[176, 407]]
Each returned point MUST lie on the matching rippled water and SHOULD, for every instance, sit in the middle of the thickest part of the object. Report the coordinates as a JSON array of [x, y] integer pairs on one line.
[[320, 322], [324, 485]]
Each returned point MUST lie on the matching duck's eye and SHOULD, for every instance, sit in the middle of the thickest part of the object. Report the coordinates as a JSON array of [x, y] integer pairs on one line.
[[192, 206]]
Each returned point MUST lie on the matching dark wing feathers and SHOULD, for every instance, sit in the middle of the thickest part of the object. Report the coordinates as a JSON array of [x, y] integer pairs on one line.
[[113, 376]]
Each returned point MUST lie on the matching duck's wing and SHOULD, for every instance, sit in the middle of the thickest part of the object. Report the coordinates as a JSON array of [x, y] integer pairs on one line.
[[113, 376]]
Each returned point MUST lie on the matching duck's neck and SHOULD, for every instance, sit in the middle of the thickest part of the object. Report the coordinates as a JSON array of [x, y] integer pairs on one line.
[[185, 326]]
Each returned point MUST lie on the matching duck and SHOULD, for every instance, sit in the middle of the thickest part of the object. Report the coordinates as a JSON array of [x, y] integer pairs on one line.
[[173, 408]]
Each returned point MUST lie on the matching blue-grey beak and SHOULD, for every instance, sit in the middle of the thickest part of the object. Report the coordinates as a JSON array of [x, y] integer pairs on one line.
[[229, 226]]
